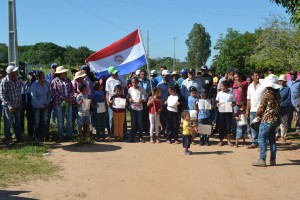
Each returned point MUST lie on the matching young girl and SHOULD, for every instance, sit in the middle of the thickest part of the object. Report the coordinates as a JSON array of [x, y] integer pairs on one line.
[[175, 104], [98, 98], [241, 121], [118, 103], [135, 94], [225, 101], [154, 104], [187, 132], [83, 118]]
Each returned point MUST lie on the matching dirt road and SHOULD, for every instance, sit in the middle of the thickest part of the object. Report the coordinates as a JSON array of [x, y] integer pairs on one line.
[[145, 171]]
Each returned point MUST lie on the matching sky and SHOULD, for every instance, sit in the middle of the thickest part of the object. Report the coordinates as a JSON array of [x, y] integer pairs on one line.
[[98, 23]]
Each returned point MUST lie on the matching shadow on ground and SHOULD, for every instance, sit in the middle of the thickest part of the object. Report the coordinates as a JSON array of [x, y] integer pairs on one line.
[[292, 162], [212, 152], [87, 148], [13, 195]]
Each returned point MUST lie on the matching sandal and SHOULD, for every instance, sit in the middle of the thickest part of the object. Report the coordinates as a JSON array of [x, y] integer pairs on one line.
[[177, 142], [158, 141], [168, 142], [252, 146], [230, 144], [220, 144], [152, 142]]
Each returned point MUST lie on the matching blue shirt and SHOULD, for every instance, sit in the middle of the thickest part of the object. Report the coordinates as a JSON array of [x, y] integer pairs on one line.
[[147, 87], [158, 78], [40, 94], [285, 101], [179, 81], [295, 91], [187, 83], [190, 103], [202, 114], [164, 88], [97, 97]]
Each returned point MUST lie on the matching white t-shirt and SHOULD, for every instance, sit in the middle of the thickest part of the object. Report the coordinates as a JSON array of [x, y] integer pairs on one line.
[[136, 95], [255, 95], [172, 100], [224, 97]]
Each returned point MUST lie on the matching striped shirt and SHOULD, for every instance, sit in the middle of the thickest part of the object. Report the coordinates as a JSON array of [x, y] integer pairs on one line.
[[61, 89], [10, 92]]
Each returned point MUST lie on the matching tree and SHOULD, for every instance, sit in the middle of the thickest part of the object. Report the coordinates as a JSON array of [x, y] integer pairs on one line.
[[278, 44], [292, 7], [234, 50], [198, 44], [3, 53]]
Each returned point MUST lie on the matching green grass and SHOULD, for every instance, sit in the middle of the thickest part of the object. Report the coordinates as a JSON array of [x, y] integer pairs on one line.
[[24, 162]]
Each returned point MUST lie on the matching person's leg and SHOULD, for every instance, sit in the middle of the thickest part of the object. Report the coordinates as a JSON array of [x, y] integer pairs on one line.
[[156, 123], [30, 120], [176, 126], [60, 120], [102, 122], [284, 126], [140, 123], [111, 122], [238, 135], [44, 121], [170, 126], [69, 122], [122, 118], [16, 123], [264, 130], [164, 119], [228, 127], [146, 124], [7, 123], [272, 143], [152, 121], [222, 128], [133, 114], [37, 118], [254, 134]]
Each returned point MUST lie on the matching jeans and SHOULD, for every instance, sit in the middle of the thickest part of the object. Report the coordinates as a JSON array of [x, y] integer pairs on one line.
[[267, 131], [254, 134], [12, 119], [61, 114], [41, 123], [111, 122], [136, 123]]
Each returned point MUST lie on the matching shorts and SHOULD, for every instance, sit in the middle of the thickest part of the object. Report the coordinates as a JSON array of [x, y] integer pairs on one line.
[[83, 120], [241, 132], [186, 141]]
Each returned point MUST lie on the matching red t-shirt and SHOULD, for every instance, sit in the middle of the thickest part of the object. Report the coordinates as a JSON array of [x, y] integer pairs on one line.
[[157, 103]]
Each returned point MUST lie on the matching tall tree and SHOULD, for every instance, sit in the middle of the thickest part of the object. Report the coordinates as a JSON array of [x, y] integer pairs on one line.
[[234, 50], [198, 44], [292, 7], [3, 53]]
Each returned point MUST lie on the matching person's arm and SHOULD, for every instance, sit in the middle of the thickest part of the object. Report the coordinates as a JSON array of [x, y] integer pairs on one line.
[[2, 92], [263, 105]]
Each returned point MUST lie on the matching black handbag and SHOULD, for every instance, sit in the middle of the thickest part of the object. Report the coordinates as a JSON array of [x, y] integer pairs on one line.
[[255, 126]]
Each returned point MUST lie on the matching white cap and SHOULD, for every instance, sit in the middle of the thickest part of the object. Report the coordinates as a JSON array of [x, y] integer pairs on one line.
[[11, 68], [137, 72], [153, 72], [270, 81], [166, 72], [282, 77]]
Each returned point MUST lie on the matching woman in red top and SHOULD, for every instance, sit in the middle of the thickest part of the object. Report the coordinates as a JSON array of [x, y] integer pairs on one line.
[[240, 88], [155, 106]]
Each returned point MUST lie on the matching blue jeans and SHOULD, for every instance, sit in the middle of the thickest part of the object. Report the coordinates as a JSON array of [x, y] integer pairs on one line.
[[267, 131], [254, 134], [111, 122], [41, 123], [12, 119], [136, 123], [61, 114]]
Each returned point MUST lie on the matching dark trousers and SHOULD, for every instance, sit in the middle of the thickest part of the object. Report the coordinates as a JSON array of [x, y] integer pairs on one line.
[[136, 123], [146, 123], [30, 120], [164, 118], [225, 125], [204, 137], [173, 125], [100, 123]]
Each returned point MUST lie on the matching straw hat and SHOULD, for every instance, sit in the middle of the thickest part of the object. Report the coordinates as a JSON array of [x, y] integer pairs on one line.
[[61, 69], [79, 75], [282, 77]]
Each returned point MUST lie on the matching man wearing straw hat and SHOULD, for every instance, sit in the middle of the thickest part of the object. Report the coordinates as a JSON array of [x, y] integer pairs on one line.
[[10, 95], [62, 92]]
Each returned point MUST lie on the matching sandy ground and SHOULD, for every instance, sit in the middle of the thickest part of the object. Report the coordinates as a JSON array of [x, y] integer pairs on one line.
[[118, 170]]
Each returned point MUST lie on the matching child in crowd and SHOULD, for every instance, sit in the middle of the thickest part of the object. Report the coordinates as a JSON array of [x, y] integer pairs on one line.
[[225, 102], [190, 106], [118, 104], [187, 132], [97, 101], [83, 118], [203, 106], [175, 104], [155, 107], [241, 131], [135, 94]]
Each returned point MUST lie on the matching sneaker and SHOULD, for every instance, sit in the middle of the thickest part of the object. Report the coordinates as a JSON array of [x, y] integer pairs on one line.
[[188, 153], [272, 162], [259, 163]]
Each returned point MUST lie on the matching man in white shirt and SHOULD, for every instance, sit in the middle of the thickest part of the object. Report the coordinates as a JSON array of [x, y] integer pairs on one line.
[[254, 95], [192, 80]]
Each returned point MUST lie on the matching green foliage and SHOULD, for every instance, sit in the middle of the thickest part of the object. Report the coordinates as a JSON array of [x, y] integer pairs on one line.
[[166, 61], [198, 44], [3, 53], [234, 50], [277, 44], [292, 7]]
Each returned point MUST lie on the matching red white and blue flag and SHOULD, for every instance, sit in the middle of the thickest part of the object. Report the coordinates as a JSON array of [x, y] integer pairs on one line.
[[126, 55]]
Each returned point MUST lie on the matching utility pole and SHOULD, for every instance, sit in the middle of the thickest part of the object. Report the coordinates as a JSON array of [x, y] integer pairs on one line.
[[174, 59], [13, 58], [148, 39]]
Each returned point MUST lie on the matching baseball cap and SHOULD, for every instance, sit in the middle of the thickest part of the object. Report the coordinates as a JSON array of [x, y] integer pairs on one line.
[[203, 67], [137, 72], [11, 68], [175, 73], [165, 72], [31, 72], [83, 67], [192, 70], [184, 71], [203, 92], [192, 89], [54, 65], [112, 70], [153, 72], [271, 69]]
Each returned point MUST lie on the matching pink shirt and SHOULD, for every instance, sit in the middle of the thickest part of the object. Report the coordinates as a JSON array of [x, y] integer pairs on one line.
[[240, 93], [76, 88]]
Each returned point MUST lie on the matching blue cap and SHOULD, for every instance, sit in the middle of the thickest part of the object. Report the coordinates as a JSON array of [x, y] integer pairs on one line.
[[53, 65], [184, 71], [83, 67], [31, 72]]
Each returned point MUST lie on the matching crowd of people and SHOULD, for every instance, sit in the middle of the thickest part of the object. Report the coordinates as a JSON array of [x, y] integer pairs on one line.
[[258, 107]]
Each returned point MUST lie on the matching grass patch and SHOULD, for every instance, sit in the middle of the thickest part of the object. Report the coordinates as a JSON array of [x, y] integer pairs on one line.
[[24, 162]]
